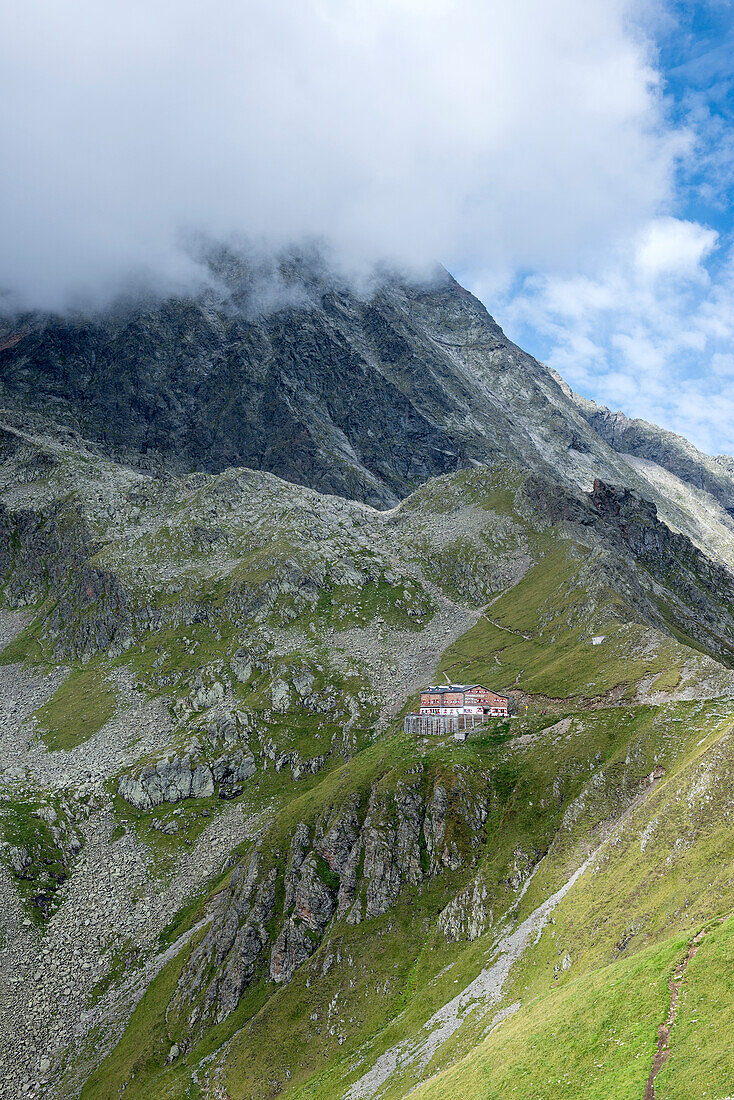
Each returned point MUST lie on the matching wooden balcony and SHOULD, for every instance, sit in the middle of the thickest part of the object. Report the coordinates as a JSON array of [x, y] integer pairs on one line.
[[440, 725]]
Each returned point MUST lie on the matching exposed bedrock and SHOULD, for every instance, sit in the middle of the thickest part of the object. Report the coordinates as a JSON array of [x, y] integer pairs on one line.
[[281, 903], [172, 780]]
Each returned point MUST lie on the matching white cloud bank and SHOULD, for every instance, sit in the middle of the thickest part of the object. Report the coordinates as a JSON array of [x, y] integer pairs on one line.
[[522, 145], [477, 133]]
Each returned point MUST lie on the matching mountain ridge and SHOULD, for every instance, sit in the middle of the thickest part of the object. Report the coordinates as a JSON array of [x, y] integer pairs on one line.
[[363, 394], [226, 871], [668, 449]]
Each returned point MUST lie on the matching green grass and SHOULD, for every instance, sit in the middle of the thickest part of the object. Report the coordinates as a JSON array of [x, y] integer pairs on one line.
[[387, 946], [315, 1045], [175, 658], [540, 637], [21, 827], [494, 488], [467, 570], [397, 970], [671, 864], [405, 605], [701, 1062], [549, 790], [668, 680], [594, 1039], [180, 649], [597, 1026], [26, 646], [140, 1055], [124, 959], [590, 922], [77, 710]]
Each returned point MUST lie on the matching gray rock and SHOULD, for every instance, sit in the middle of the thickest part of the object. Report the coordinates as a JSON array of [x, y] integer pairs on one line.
[[280, 695], [236, 766], [392, 846], [229, 791], [303, 682], [205, 696], [224, 963], [202, 782], [293, 946], [340, 838], [467, 915], [20, 860], [241, 666], [422, 354], [180, 778], [314, 904]]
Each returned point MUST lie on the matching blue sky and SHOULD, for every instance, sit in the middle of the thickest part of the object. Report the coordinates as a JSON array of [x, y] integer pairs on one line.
[[648, 326]]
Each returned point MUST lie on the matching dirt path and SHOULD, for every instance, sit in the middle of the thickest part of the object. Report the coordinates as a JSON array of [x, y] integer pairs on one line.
[[663, 1051], [508, 629]]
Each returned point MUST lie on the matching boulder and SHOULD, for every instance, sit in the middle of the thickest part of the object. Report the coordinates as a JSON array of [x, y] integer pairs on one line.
[[180, 778], [20, 860]]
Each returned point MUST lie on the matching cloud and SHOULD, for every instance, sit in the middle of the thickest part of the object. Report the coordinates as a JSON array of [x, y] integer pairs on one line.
[[670, 246], [650, 332], [472, 132]]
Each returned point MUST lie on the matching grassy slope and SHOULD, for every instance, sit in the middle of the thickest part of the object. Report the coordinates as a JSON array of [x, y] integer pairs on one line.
[[383, 950], [596, 1036], [21, 826], [77, 710], [551, 796], [669, 867], [702, 1056], [539, 636], [630, 900], [144, 1046], [393, 968], [595, 1039]]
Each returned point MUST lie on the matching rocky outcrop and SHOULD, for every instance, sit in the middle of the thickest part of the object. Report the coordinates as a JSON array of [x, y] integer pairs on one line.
[[227, 958], [291, 758], [41, 848], [172, 780], [208, 384], [310, 904], [355, 866], [46, 554], [467, 915], [20, 860], [391, 844], [205, 695], [409, 835], [699, 592], [654, 444]]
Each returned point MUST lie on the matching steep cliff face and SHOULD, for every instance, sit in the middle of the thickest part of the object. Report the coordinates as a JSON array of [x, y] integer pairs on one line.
[[364, 395], [700, 591], [307, 391], [354, 863], [45, 555]]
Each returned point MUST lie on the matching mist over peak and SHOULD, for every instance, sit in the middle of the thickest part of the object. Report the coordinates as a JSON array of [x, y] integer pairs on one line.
[[397, 133]]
